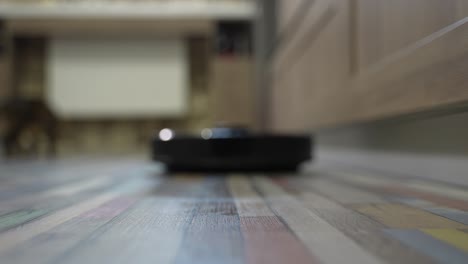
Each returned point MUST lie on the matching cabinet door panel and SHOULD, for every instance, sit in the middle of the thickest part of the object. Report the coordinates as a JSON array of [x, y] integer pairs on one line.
[[385, 27], [411, 56], [372, 59], [310, 70], [287, 10]]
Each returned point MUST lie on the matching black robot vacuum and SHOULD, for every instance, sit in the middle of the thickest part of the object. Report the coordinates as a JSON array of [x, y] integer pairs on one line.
[[230, 150]]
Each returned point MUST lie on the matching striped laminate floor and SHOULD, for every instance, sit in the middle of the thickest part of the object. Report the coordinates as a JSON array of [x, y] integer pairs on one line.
[[127, 211]]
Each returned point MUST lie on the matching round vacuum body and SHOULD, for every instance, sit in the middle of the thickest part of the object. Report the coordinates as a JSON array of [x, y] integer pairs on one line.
[[230, 149]]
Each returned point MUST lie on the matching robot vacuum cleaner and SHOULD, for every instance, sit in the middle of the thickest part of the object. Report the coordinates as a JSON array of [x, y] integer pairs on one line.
[[230, 150]]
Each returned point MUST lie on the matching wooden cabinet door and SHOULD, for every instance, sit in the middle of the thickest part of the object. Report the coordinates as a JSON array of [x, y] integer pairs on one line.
[[410, 56], [287, 11], [361, 60], [232, 91], [311, 65]]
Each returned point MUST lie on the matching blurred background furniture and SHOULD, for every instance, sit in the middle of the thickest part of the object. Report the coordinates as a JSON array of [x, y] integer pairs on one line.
[[29, 31]]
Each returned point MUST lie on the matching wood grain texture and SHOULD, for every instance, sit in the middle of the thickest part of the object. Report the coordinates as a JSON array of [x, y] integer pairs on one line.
[[314, 62], [65, 236], [449, 213], [248, 201], [437, 199], [318, 235], [213, 234], [60, 193], [426, 244], [19, 217], [452, 214], [365, 231], [14, 237], [262, 230], [110, 242], [155, 222], [400, 216], [134, 214], [287, 11], [341, 193], [232, 91], [453, 237], [445, 196], [373, 60], [440, 189]]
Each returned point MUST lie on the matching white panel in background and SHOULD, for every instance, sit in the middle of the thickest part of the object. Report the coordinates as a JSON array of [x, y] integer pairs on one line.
[[115, 78]]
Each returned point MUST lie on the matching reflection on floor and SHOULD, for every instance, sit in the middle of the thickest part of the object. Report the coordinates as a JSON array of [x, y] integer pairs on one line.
[[125, 211]]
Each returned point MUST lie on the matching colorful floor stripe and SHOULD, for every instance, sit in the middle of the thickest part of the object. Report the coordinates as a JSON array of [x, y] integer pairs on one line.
[[322, 239], [145, 217], [213, 234], [453, 237], [401, 216], [263, 231], [65, 236], [452, 214], [20, 217], [11, 238], [362, 229], [440, 251]]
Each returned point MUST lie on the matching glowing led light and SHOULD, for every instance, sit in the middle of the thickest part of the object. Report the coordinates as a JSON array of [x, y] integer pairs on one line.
[[206, 133], [166, 134]]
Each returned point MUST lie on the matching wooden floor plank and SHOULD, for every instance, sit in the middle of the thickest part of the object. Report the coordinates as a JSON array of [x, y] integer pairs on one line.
[[47, 246], [393, 187], [53, 199], [440, 189], [449, 213], [247, 200], [150, 232], [11, 238], [68, 189], [322, 239], [359, 177], [437, 199], [437, 188], [20, 217], [45, 206], [439, 251], [401, 216], [453, 237], [50, 176], [342, 193], [213, 234], [452, 214], [365, 231], [124, 211], [142, 235], [266, 238]]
